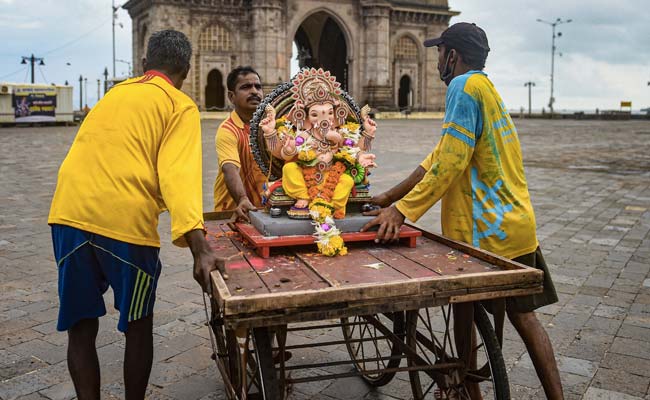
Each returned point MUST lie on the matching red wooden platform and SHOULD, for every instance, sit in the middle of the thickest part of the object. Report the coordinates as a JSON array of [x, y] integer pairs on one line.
[[408, 236]]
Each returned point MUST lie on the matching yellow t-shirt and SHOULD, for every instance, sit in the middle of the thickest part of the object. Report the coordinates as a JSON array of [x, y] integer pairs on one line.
[[233, 146], [137, 153], [477, 170]]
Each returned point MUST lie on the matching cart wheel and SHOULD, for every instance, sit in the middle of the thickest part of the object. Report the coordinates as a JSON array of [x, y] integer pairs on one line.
[[255, 351], [371, 351], [227, 352], [269, 384], [430, 333]]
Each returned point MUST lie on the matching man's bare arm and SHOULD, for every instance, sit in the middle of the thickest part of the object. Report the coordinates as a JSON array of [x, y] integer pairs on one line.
[[237, 191], [400, 190], [205, 260]]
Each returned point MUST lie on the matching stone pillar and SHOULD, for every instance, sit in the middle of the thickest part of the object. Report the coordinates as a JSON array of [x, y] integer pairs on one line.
[[434, 88], [377, 86], [268, 42]]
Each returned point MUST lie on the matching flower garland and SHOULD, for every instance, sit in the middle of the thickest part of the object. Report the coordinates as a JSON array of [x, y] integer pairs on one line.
[[321, 209], [328, 237], [349, 152]]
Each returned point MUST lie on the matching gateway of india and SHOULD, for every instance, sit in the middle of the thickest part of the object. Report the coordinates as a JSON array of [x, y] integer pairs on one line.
[[374, 47]]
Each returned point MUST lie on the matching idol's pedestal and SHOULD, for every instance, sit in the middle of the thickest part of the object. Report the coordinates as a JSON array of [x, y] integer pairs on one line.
[[265, 232]]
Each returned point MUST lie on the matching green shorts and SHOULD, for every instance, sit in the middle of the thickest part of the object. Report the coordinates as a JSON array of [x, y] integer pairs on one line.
[[534, 301]]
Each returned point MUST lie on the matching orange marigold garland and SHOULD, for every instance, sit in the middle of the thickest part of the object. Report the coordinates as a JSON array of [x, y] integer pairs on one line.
[[321, 209]]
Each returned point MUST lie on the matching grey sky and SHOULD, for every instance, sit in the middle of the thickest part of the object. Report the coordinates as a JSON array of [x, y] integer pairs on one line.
[[62, 31], [606, 49]]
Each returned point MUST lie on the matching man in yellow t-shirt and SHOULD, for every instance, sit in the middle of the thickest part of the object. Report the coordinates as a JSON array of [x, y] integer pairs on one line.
[[238, 185], [137, 153], [476, 169]]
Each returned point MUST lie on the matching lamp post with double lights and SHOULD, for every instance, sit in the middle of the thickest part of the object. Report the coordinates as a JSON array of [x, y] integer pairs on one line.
[[553, 25], [529, 84], [32, 60]]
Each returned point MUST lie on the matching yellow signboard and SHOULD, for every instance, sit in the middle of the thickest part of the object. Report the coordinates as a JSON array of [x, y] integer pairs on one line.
[[626, 104]]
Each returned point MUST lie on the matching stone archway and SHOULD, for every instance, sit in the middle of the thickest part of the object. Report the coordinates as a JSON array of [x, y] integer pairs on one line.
[[404, 100], [321, 43], [215, 91], [407, 72]]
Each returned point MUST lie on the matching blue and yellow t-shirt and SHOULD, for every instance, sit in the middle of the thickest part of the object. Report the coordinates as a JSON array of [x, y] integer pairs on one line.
[[137, 153], [477, 170]]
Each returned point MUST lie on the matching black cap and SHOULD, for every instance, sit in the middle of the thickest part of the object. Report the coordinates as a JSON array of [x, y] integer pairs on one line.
[[465, 37]]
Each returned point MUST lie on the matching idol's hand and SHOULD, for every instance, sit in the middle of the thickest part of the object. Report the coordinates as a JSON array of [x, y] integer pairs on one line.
[[367, 160], [369, 126], [268, 123], [334, 137], [288, 150]]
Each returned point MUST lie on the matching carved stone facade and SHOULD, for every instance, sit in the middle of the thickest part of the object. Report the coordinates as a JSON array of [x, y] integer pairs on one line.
[[373, 46]]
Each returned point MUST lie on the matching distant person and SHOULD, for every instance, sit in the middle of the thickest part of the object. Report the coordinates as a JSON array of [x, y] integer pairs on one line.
[[239, 181], [137, 154], [477, 170]]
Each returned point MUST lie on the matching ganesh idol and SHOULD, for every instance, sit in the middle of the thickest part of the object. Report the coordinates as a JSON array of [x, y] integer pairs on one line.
[[324, 154]]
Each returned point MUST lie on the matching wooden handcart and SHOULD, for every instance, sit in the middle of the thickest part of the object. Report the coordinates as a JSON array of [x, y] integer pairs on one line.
[[396, 307]]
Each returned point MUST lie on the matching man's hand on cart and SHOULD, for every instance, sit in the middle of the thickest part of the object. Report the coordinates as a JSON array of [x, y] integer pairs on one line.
[[243, 208], [390, 220], [205, 261]]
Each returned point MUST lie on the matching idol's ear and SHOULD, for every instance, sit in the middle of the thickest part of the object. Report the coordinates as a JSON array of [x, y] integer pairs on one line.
[[298, 117]]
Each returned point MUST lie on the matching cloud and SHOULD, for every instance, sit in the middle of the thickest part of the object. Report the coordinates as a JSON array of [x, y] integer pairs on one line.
[[74, 37], [606, 51], [18, 23]]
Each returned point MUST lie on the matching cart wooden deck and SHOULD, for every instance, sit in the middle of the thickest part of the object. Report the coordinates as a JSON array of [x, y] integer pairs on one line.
[[382, 295], [298, 284]]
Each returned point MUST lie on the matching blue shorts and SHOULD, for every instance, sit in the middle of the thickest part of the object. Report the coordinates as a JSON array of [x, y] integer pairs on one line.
[[89, 263]]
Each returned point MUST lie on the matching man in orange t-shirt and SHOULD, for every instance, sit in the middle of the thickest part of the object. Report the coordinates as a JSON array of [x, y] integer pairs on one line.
[[239, 182]]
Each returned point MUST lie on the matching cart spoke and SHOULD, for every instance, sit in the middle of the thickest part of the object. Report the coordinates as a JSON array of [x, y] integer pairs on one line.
[[456, 382], [371, 350], [428, 390]]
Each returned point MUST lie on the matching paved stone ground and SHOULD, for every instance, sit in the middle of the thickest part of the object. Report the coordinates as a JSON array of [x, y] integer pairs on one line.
[[590, 185]]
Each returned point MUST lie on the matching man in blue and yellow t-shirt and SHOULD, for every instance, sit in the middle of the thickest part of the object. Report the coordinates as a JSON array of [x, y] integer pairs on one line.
[[137, 154], [476, 169]]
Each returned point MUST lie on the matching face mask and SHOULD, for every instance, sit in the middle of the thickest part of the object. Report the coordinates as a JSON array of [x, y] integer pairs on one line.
[[447, 72]]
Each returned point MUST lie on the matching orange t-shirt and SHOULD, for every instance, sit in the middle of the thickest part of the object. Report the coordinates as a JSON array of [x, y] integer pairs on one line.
[[233, 147]]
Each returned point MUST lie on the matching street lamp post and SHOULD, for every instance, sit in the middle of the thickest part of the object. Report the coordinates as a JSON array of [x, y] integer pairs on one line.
[[32, 60], [557, 22], [128, 65], [86, 91], [81, 92], [105, 80], [529, 84], [99, 81], [114, 9]]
